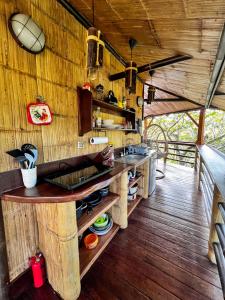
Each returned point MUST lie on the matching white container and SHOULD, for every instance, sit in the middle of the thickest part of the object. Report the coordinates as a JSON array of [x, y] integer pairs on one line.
[[108, 122], [29, 177]]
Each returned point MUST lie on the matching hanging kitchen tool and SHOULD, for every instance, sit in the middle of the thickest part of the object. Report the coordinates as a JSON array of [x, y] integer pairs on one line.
[[95, 50]]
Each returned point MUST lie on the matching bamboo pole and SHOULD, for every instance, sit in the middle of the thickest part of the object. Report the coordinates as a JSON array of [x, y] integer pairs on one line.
[[4, 273], [119, 210], [58, 240]]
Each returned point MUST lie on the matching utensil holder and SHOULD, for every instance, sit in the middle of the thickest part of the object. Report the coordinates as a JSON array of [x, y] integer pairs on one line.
[[29, 177]]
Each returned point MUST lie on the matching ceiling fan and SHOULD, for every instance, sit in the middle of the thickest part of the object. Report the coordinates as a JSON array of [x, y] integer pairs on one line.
[[131, 69]]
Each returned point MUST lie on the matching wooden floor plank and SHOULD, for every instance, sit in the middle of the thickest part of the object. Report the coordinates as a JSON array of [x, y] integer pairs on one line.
[[163, 252]]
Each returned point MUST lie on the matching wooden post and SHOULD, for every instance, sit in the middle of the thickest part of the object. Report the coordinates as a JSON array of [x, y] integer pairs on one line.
[[119, 210], [215, 218], [4, 273], [201, 127], [58, 240]]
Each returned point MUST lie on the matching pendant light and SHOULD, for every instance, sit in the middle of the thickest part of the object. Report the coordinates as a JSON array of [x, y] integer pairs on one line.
[[95, 49], [151, 90], [131, 70], [27, 33]]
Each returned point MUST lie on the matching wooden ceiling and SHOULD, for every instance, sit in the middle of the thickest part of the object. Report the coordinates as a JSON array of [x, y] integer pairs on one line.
[[165, 28]]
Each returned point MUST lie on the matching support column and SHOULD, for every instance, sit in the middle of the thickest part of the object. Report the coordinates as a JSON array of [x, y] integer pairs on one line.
[[4, 273], [201, 127]]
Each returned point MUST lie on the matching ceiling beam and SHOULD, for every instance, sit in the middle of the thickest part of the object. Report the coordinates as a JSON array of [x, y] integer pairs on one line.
[[167, 100], [172, 112], [192, 119], [176, 95], [218, 70], [86, 23]]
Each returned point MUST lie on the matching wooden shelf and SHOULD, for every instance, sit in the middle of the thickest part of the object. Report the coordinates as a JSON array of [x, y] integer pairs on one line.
[[87, 220], [88, 257], [86, 107], [133, 204], [132, 182], [114, 129], [111, 107]]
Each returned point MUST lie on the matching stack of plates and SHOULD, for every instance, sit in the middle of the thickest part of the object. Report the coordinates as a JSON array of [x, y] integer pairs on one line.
[[102, 225]]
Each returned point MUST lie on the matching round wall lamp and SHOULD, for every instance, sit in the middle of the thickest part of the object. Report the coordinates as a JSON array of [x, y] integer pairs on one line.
[[27, 33]]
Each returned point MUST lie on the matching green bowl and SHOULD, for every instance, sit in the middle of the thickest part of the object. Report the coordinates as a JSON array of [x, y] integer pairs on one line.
[[101, 221]]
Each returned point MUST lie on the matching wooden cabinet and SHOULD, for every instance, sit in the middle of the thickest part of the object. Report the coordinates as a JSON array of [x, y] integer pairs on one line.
[[86, 107], [59, 228]]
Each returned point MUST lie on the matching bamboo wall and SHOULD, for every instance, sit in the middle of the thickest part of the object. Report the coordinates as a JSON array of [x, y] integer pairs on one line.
[[54, 74]]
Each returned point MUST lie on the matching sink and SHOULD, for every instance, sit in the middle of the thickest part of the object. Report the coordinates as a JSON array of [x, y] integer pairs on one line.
[[131, 159]]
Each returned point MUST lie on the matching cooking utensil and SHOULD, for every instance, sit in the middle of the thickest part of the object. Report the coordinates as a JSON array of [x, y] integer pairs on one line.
[[25, 147], [30, 160], [15, 153]]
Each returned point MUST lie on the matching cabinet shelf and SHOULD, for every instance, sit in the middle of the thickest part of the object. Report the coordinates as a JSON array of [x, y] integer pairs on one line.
[[135, 180], [86, 104], [112, 107], [88, 257], [114, 129], [133, 204], [87, 220]]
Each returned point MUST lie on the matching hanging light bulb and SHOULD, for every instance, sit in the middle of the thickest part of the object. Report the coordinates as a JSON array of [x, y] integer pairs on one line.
[[151, 89], [92, 74], [95, 50], [131, 71]]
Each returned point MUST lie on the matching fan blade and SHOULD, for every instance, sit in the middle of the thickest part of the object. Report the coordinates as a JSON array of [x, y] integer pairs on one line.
[[154, 65], [163, 63], [117, 76]]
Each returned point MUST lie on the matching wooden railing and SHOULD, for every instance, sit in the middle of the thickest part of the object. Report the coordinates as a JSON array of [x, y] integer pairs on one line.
[[211, 183], [183, 153]]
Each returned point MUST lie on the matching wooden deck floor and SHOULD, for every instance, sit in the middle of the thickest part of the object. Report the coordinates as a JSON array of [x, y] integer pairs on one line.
[[163, 253]]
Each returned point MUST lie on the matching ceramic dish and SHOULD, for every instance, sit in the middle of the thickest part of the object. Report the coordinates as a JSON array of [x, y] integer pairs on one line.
[[102, 221], [108, 122], [104, 192], [102, 232], [91, 241]]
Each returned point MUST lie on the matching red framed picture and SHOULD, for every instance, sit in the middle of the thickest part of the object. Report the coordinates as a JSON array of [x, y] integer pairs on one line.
[[39, 114]]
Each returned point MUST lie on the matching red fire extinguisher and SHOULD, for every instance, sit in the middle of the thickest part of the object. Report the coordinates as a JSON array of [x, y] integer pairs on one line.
[[37, 264]]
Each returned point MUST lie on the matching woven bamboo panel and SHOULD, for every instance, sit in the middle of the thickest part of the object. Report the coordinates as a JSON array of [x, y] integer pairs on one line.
[[21, 235], [54, 74]]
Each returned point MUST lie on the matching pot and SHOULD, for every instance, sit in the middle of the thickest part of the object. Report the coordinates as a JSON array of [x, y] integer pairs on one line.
[[93, 199], [80, 208], [132, 197], [133, 189]]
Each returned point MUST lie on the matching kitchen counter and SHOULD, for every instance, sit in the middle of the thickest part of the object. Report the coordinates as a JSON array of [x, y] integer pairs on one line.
[[49, 193]]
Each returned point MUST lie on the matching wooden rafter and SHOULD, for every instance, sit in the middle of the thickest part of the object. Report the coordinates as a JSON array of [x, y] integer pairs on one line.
[[192, 119]]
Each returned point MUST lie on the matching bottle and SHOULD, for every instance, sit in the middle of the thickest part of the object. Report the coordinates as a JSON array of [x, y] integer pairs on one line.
[[124, 102], [98, 118]]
